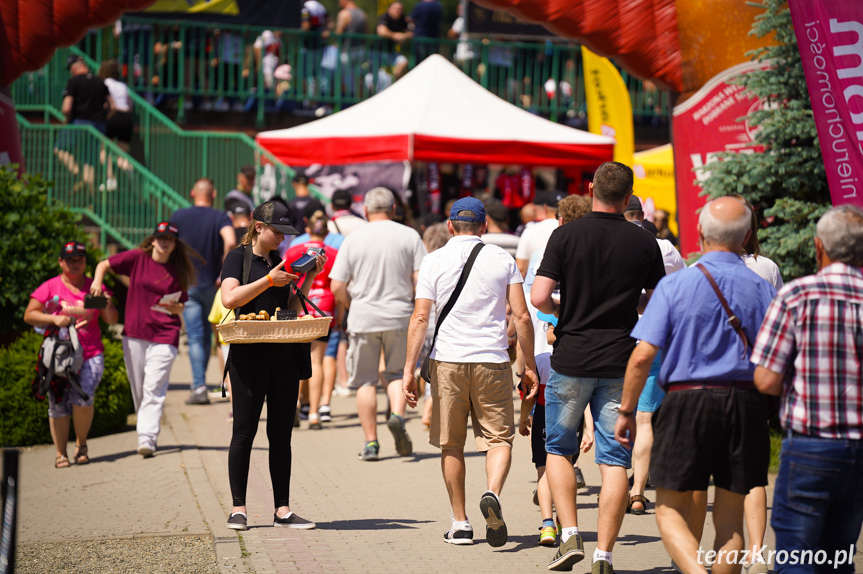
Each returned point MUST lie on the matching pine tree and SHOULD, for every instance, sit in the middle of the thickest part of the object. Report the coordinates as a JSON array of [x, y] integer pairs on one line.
[[787, 183]]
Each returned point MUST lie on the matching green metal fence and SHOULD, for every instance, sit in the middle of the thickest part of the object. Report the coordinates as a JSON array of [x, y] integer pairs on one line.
[[176, 156], [221, 66], [93, 176]]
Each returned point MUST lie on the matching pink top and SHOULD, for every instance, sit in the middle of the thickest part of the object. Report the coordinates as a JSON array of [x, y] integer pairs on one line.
[[320, 293], [71, 302]]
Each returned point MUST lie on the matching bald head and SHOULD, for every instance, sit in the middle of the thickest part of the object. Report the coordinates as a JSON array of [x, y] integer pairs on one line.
[[204, 192], [724, 224]]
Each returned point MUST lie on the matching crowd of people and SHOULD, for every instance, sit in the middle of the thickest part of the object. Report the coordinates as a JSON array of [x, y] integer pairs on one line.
[[612, 342]]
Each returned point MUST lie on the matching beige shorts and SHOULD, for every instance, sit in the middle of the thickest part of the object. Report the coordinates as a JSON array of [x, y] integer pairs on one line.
[[364, 357], [481, 390]]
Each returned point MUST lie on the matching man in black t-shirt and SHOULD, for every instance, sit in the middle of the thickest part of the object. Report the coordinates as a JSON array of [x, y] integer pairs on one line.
[[86, 100], [209, 232], [394, 26], [601, 263]]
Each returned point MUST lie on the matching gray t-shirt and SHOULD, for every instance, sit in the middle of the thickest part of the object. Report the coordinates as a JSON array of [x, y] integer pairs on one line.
[[378, 261]]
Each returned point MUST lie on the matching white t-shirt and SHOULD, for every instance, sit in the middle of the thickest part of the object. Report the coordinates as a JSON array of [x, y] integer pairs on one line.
[[535, 237], [119, 93], [345, 224], [670, 256], [764, 268], [475, 329], [540, 341], [378, 261]]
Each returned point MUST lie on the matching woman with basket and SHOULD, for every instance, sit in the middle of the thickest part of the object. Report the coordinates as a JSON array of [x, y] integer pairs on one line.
[[254, 281]]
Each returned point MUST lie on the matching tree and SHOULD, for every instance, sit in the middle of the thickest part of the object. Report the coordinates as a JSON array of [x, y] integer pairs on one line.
[[787, 183]]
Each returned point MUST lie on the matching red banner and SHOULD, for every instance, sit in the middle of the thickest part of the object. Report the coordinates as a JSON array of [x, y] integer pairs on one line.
[[10, 143], [830, 39], [708, 123]]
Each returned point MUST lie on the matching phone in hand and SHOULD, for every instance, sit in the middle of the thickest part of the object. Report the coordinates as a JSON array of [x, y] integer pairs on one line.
[[94, 302]]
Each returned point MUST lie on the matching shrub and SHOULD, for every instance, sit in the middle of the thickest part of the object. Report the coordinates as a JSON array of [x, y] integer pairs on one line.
[[24, 420]]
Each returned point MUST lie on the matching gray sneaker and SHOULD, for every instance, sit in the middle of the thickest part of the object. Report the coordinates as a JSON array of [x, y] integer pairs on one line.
[[579, 478], [495, 527], [198, 398], [237, 521], [404, 446], [568, 553], [293, 521], [370, 451]]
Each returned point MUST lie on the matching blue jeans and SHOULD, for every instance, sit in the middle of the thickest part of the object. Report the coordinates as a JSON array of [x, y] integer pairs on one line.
[[198, 330], [818, 501], [565, 401]]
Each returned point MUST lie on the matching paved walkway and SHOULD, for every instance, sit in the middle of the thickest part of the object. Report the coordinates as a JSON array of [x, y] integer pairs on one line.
[[387, 516]]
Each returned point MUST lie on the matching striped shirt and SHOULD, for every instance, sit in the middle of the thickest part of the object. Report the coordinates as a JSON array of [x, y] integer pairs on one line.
[[813, 332]]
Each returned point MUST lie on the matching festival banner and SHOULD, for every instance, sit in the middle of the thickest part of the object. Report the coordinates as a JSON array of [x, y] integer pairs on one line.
[[227, 7], [830, 40], [609, 108], [709, 122], [654, 182]]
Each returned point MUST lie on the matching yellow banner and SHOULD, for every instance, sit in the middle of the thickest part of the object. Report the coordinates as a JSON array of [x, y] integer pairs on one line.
[[654, 182], [609, 109], [227, 7]]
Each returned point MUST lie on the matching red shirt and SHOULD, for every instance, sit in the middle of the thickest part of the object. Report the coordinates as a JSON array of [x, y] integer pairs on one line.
[[320, 293]]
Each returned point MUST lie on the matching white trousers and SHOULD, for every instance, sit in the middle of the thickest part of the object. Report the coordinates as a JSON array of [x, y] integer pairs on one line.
[[149, 367]]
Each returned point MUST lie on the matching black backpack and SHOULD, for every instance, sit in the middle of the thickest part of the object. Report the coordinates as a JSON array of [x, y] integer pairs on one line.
[[58, 367]]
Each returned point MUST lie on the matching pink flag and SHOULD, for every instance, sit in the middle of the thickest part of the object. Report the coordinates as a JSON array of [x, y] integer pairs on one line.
[[830, 39]]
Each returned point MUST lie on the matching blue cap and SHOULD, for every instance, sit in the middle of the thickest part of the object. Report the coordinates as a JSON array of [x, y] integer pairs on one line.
[[468, 204], [546, 318]]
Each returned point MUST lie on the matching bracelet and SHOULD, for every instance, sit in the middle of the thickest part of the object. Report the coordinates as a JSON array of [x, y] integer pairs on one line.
[[624, 413], [270, 280]]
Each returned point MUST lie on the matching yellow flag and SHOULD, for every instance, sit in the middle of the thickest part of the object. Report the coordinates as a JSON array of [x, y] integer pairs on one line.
[[609, 109], [228, 7], [654, 182]]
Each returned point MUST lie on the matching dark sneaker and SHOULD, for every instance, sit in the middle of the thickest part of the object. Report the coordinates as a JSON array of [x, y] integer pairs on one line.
[[601, 567], [237, 521], [568, 553], [460, 537], [325, 414], [293, 521], [304, 411], [198, 398], [579, 478], [370, 451], [315, 425], [396, 424], [495, 527], [297, 419]]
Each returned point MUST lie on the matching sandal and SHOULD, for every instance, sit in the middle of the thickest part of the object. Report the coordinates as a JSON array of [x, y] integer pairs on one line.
[[62, 461], [81, 455], [637, 498]]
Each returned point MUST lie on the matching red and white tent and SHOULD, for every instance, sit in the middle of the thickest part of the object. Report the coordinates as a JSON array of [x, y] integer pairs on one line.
[[437, 113]]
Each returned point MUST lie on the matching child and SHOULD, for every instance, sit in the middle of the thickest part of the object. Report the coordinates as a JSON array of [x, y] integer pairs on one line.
[[534, 425]]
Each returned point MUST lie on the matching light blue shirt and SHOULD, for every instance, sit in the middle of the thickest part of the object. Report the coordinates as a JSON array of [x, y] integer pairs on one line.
[[686, 320], [333, 240]]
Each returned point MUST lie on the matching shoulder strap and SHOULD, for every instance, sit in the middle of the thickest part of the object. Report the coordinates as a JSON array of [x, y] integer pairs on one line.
[[247, 263], [459, 286], [732, 318]]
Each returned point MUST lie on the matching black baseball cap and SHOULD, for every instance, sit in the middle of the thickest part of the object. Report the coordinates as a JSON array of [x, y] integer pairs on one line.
[[277, 215], [634, 204], [342, 199], [72, 249], [166, 229], [550, 198]]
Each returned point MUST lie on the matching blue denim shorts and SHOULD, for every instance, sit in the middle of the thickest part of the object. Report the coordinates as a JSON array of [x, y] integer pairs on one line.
[[651, 396], [333, 343], [89, 378], [565, 401]]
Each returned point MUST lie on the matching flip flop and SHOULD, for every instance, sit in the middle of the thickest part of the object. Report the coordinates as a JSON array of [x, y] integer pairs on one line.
[[62, 461], [81, 455]]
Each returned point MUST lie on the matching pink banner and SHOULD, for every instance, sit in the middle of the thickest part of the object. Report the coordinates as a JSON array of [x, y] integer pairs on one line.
[[830, 39]]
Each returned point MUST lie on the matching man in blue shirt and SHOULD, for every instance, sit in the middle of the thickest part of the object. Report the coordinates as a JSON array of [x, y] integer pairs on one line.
[[426, 17], [713, 420]]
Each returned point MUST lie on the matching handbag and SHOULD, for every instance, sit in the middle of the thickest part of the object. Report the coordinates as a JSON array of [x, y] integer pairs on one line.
[[424, 371]]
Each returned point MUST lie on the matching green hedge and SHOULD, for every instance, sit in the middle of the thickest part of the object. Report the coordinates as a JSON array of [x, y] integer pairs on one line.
[[24, 420]]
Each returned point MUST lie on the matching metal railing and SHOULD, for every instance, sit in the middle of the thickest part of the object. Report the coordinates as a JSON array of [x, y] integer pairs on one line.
[[93, 176], [243, 67], [176, 156]]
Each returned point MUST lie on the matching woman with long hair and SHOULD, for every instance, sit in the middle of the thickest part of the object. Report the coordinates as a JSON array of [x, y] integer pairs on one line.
[[55, 305], [323, 380], [160, 273], [253, 280]]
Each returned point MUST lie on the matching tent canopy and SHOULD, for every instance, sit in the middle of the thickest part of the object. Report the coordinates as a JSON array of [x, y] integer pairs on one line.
[[437, 113]]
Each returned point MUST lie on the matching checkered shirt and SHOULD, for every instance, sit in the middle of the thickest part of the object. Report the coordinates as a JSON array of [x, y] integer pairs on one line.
[[813, 332]]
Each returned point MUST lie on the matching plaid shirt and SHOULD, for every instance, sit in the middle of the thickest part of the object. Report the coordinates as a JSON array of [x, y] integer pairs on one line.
[[813, 332]]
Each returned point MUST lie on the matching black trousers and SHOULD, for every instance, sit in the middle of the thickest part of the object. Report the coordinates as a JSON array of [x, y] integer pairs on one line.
[[253, 381]]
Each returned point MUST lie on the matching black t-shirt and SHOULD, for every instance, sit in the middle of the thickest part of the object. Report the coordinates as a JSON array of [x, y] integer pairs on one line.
[[297, 205], [90, 94], [602, 263], [427, 17], [291, 355], [199, 229], [393, 25]]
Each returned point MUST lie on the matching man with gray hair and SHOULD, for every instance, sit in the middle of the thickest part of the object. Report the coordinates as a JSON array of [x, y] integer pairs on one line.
[[711, 422], [809, 351], [375, 277]]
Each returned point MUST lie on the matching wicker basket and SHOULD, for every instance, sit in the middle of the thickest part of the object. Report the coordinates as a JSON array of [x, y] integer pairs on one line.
[[294, 331]]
